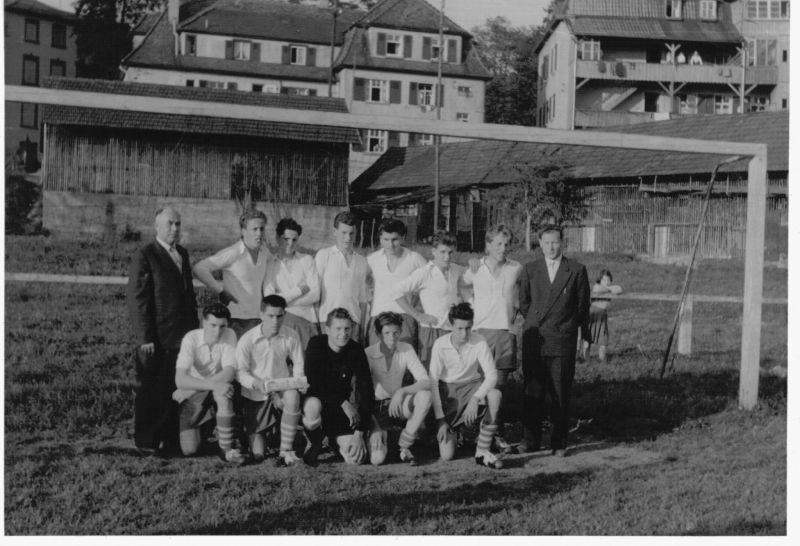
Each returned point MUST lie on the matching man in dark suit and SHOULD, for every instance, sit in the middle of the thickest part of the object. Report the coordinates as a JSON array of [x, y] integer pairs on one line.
[[554, 299], [162, 309]]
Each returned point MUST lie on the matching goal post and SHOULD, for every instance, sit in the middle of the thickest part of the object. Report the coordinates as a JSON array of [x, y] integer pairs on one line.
[[756, 186]]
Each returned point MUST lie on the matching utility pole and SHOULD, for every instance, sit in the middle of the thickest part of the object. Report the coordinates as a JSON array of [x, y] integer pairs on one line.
[[437, 138], [335, 4]]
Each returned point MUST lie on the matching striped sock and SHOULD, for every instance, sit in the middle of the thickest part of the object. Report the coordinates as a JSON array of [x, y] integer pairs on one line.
[[288, 429], [485, 437], [406, 439], [225, 429]]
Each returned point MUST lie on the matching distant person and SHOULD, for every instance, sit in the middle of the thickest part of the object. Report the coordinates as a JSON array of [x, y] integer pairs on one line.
[[681, 58], [463, 377], [438, 284], [293, 276], [340, 385], [388, 266], [343, 276], [243, 265], [598, 314], [554, 299], [262, 357], [695, 58], [162, 309], [395, 405], [495, 297], [204, 372]]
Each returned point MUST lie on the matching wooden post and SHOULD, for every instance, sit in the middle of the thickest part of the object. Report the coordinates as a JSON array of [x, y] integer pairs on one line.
[[372, 233], [362, 234], [753, 280], [685, 327]]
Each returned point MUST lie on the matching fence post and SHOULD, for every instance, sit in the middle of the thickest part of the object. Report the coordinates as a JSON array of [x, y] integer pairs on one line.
[[685, 327]]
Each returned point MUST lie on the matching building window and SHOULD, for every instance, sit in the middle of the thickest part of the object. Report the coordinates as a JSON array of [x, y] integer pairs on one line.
[[58, 68], [59, 39], [784, 103], [378, 91], [30, 115], [189, 83], [297, 91], [32, 31], [426, 95], [298, 55], [258, 88], [460, 116], [708, 10], [688, 104], [394, 45], [785, 56], [211, 85], [762, 52], [651, 102], [425, 140], [590, 50], [30, 70], [673, 9], [241, 51], [767, 9], [759, 104], [191, 45], [464, 91], [435, 49], [723, 104], [376, 141]]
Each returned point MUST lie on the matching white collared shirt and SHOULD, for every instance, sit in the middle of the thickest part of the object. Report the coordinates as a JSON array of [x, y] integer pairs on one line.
[[437, 291], [495, 300], [388, 381], [552, 267], [169, 249], [201, 361], [451, 365], [284, 278], [260, 358], [241, 278], [340, 285], [385, 280]]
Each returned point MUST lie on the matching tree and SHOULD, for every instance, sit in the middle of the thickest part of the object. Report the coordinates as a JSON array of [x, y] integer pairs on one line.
[[103, 33], [508, 53]]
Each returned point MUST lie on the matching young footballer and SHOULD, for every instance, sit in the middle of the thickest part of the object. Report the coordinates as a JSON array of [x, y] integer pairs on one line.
[[463, 377], [262, 357], [340, 386], [394, 404], [438, 284], [203, 374], [495, 297], [388, 266], [343, 275]]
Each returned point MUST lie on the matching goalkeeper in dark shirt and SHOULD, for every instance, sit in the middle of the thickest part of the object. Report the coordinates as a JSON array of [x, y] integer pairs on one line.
[[339, 379]]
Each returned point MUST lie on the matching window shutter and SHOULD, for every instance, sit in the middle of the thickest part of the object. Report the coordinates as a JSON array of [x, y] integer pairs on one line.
[[394, 139], [203, 83], [255, 52], [440, 95], [228, 49], [412, 93], [676, 104], [451, 51], [233, 86], [412, 140], [382, 44], [312, 92], [359, 146], [311, 56], [359, 89], [394, 92], [580, 49], [408, 45], [286, 55], [772, 52], [705, 104], [426, 48]]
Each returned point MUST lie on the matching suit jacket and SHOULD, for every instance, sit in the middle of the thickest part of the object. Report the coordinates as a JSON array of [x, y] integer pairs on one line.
[[555, 313], [161, 300]]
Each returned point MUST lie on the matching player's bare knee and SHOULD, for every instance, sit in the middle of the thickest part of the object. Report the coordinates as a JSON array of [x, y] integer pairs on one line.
[[291, 401], [423, 399], [377, 457]]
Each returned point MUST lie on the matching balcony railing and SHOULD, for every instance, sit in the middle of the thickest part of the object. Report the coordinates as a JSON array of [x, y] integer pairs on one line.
[[600, 118], [653, 72]]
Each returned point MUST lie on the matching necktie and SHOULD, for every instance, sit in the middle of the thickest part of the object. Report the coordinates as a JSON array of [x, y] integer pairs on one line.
[[552, 271], [173, 253]]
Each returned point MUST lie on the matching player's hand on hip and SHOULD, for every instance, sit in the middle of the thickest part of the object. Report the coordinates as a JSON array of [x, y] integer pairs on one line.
[[351, 412], [474, 265], [148, 348], [226, 298], [424, 318]]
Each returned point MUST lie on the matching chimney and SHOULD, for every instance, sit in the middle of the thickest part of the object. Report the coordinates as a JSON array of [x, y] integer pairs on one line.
[[173, 8]]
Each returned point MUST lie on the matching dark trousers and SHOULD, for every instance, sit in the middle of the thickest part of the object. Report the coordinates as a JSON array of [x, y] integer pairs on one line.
[[553, 375], [155, 414]]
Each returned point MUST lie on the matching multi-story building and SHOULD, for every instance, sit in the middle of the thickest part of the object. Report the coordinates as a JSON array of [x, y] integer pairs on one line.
[[382, 62], [616, 62], [39, 41]]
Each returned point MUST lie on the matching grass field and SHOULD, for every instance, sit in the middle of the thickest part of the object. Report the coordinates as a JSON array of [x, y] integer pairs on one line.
[[70, 465]]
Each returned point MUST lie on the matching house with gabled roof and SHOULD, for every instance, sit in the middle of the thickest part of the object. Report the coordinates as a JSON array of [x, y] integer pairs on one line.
[[612, 62]]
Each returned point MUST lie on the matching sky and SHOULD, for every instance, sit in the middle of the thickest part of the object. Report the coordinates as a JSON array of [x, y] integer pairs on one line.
[[467, 13]]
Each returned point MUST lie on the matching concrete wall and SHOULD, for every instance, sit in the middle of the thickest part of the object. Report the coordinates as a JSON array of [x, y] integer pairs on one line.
[[207, 222]]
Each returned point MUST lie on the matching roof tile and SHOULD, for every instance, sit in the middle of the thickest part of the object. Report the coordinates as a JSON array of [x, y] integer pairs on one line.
[[416, 15]]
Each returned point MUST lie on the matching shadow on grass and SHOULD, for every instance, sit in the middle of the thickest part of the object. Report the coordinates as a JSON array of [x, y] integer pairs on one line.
[[745, 528], [370, 513]]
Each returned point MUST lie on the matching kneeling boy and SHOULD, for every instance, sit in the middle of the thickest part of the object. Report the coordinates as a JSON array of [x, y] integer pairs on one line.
[[388, 361], [204, 372], [340, 388], [459, 394], [262, 356]]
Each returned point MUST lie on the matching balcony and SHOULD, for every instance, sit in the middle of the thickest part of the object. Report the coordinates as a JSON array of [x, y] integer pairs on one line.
[[681, 73], [600, 118]]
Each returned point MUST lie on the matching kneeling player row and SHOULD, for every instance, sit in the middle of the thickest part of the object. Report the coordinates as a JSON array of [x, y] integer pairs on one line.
[[337, 388]]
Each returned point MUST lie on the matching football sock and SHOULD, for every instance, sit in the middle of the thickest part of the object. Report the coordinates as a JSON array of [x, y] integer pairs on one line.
[[288, 429], [406, 439], [314, 431], [225, 429], [485, 436]]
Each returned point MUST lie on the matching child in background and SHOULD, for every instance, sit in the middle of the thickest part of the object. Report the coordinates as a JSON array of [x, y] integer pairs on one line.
[[598, 314]]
